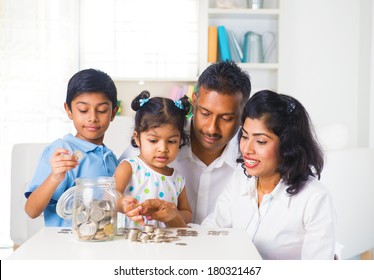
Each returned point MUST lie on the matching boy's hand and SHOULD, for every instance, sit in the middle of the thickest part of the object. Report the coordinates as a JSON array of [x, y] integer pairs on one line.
[[62, 161]]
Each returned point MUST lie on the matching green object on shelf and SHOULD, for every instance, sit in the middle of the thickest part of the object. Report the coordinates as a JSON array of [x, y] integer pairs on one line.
[[119, 108]]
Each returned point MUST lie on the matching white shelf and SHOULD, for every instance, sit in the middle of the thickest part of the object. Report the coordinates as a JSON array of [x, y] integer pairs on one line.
[[240, 21], [271, 13]]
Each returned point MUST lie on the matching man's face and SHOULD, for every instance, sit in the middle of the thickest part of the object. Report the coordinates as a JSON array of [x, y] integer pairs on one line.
[[216, 118]]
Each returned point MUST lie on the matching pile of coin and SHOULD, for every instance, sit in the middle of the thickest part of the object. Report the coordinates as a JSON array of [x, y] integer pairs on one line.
[[218, 232], [150, 234], [96, 222]]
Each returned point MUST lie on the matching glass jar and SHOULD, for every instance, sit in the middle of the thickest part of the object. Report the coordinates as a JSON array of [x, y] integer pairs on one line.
[[91, 205]]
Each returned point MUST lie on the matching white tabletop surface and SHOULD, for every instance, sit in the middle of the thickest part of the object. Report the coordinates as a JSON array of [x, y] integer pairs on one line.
[[50, 244]]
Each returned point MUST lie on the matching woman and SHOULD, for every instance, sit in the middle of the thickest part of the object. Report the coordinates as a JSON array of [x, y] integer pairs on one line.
[[287, 212]]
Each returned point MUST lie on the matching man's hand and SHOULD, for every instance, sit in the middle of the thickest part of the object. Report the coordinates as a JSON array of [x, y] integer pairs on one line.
[[160, 210]]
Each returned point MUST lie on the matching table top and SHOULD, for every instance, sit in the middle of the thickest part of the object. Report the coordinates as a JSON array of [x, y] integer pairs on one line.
[[52, 243]]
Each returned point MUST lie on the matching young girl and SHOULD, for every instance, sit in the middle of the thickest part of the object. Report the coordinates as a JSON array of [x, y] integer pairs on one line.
[[159, 134]]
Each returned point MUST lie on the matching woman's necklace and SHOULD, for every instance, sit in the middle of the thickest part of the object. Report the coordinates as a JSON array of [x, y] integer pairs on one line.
[[261, 189]]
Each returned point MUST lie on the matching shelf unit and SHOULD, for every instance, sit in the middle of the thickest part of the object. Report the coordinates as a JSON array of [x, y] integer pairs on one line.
[[241, 20]]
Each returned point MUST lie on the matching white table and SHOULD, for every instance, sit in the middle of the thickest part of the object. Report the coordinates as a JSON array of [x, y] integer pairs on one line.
[[49, 244]]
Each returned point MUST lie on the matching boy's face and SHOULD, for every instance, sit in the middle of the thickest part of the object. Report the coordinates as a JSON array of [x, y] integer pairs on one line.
[[91, 114]]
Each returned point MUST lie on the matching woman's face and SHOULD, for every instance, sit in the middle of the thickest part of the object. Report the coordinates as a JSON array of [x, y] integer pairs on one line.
[[260, 149]]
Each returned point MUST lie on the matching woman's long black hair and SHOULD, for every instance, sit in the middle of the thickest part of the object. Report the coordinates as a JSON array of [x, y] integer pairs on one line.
[[299, 150]]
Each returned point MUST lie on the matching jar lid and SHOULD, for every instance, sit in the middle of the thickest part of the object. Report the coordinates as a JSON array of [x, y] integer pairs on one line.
[[64, 207], [102, 180]]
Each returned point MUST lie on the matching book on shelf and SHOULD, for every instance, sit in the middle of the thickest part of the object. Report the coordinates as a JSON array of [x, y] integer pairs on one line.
[[223, 44], [212, 44], [236, 50]]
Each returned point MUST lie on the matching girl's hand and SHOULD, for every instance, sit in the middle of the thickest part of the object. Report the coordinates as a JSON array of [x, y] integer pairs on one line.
[[131, 208], [61, 162]]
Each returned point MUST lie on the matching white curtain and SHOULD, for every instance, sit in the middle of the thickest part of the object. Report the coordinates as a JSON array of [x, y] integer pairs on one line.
[[141, 39], [38, 54]]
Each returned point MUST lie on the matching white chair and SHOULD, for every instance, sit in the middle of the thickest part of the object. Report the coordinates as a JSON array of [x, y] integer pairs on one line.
[[25, 157], [348, 174]]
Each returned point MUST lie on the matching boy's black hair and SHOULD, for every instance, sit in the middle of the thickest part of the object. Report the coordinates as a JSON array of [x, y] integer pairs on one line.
[[91, 80]]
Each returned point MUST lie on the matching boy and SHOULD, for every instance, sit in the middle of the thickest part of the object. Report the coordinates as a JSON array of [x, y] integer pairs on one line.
[[91, 103]]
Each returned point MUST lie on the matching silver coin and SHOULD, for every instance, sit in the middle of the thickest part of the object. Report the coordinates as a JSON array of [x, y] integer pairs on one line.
[[96, 214], [87, 229], [149, 228], [81, 217], [78, 155]]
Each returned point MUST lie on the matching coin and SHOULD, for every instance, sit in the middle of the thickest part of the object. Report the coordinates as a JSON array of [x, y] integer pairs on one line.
[[78, 155], [87, 229], [109, 229], [96, 214], [81, 217], [149, 228]]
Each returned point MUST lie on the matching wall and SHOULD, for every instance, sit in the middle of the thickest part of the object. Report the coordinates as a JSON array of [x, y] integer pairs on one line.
[[325, 63], [128, 90], [371, 81]]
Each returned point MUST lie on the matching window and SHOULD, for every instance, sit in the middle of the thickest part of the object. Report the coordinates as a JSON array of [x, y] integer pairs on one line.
[[140, 39], [42, 46]]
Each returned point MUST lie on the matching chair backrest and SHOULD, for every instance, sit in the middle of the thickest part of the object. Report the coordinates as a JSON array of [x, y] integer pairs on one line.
[[348, 175], [25, 157]]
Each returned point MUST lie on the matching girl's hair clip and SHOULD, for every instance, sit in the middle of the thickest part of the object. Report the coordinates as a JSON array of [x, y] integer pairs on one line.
[[179, 104], [142, 101]]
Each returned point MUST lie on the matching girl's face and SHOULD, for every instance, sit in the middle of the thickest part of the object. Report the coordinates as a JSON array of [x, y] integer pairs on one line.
[[260, 149], [159, 146], [91, 114]]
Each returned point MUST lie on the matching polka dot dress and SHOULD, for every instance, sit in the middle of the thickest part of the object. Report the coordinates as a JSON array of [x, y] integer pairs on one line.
[[146, 184]]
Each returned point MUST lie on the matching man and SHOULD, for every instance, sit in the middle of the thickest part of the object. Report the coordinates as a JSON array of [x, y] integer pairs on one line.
[[210, 159], [207, 163]]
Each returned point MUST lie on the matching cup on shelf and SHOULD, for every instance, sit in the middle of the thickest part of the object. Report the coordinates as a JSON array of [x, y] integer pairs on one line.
[[255, 4], [258, 47], [231, 4]]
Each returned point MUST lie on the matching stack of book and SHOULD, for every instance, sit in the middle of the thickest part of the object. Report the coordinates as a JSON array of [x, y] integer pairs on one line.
[[223, 45]]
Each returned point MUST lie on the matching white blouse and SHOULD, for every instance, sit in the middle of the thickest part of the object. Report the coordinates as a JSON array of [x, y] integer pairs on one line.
[[301, 226]]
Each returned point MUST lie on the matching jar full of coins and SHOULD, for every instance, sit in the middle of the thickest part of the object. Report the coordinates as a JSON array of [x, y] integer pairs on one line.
[[91, 205]]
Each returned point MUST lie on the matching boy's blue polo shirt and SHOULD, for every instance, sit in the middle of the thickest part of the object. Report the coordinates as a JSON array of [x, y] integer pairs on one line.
[[97, 161]]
